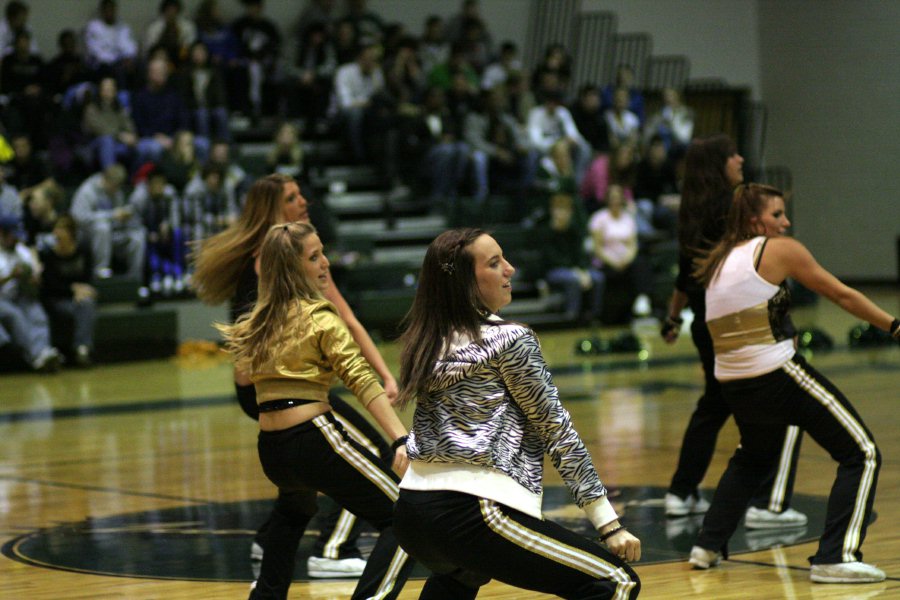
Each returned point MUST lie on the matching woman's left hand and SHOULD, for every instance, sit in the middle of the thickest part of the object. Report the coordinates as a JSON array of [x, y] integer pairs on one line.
[[391, 390], [401, 461]]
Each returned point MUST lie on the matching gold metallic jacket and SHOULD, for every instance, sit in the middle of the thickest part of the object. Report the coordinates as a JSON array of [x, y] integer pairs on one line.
[[316, 348]]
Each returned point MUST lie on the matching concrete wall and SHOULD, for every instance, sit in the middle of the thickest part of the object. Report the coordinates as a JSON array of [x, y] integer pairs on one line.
[[831, 79], [718, 36]]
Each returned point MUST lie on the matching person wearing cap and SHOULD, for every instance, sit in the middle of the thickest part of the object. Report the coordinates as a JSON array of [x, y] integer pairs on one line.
[[21, 314]]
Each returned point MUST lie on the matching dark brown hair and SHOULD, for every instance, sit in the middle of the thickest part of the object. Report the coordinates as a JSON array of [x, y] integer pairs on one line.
[[750, 200], [446, 302]]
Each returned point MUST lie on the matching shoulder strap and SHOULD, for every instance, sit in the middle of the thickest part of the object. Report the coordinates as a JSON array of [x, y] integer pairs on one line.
[[759, 253]]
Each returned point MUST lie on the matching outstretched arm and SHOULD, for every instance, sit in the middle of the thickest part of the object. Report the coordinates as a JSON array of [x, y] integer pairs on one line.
[[786, 257], [364, 341]]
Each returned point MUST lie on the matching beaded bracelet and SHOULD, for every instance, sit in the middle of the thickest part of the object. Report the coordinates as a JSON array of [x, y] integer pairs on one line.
[[611, 532], [400, 441]]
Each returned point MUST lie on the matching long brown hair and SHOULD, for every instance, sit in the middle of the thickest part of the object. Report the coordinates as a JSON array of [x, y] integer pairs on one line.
[[282, 284], [219, 260], [750, 200], [700, 216], [446, 301]]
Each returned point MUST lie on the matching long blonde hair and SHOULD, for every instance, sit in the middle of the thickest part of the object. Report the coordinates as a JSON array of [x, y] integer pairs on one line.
[[750, 200], [220, 259], [282, 284]]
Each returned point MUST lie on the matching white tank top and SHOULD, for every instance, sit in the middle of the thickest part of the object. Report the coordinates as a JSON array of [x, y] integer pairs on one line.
[[747, 317]]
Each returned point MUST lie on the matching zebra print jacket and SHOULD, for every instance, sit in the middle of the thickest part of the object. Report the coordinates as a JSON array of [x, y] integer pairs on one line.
[[492, 409]]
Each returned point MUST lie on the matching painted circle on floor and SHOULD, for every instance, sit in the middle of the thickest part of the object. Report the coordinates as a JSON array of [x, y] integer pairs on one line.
[[211, 542]]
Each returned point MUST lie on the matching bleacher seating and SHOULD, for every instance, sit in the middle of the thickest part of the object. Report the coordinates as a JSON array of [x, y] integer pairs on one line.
[[383, 230]]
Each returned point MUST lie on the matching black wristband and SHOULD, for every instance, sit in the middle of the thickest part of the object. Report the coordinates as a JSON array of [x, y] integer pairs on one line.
[[895, 329], [611, 532], [400, 441]]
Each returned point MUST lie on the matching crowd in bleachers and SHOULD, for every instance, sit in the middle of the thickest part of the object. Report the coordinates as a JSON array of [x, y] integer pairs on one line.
[[130, 133]]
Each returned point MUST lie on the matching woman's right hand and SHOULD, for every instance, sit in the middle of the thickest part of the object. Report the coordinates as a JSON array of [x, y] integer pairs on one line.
[[624, 545]]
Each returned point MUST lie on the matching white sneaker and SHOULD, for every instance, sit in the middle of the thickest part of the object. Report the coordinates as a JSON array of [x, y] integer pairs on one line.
[[322, 568], [848, 572], [47, 361], [760, 518], [256, 551], [641, 306], [702, 558], [681, 507]]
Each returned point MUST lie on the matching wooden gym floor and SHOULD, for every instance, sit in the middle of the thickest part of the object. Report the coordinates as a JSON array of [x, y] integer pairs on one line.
[[141, 480]]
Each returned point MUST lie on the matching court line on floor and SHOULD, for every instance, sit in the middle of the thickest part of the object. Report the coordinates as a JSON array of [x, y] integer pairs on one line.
[[100, 488]]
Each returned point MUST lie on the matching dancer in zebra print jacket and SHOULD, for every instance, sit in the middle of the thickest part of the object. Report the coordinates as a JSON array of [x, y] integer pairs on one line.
[[486, 414]]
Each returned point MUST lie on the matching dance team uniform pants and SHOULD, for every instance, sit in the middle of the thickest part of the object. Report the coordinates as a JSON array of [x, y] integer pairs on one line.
[[466, 541], [797, 394], [320, 456], [699, 443]]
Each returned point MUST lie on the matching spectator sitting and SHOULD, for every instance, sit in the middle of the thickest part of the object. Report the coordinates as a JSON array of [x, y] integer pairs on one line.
[[552, 122], [346, 41], [624, 80], [42, 206], [555, 172], [674, 123], [355, 84], [442, 75], [22, 317], [433, 46], [501, 154], [260, 46], [110, 47], [615, 236], [66, 290], [22, 81], [213, 31], [553, 73], [159, 111], [286, 156], [566, 263], [589, 120], [207, 207], [624, 126], [161, 212], [617, 168], [26, 169], [114, 229], [477, 44], [519, 97], [497, 73], [170, 30], [235, 179], [204, 89], [316, 64], [15, 20], [179, 163], [434, 138], [66, 68], [113, 136], [404, 77]]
